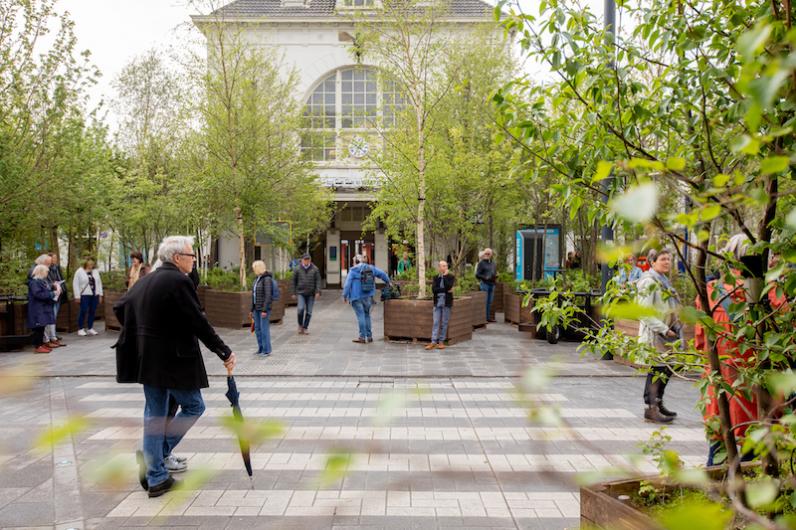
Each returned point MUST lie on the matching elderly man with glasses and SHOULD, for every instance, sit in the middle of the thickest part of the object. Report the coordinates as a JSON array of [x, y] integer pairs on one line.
[[159, 348]]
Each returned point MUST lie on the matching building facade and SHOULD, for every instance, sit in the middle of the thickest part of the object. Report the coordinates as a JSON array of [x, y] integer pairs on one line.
[[342, 98]]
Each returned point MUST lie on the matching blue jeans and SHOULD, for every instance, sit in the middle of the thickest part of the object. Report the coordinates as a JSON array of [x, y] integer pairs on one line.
[[362, 309], [88, 308], [715, 447], [161, 434], [489, 288], [441, 317], [304, 309], [262, 330], [50, 333]]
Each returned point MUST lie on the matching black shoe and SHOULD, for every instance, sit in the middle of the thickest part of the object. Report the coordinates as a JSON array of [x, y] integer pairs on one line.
[[360, 340], [666, 412], [139, 457], [654, 415], [164, 487], [370, 339]]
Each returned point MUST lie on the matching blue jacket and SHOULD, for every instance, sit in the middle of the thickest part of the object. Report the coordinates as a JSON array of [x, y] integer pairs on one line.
[[353, 286], [40, 304]]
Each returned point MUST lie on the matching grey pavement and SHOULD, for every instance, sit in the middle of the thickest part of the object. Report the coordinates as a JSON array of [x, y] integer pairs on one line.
[[430, 439]]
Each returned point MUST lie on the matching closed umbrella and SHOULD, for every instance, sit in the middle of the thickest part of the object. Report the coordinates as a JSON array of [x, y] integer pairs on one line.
[[234, 399]]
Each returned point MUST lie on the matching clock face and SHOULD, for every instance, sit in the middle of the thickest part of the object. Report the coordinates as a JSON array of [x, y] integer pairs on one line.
[[358, 148]]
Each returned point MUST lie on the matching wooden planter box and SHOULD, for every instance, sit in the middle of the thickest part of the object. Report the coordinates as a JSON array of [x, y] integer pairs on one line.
[[110, 299], [513, 310], [286, 290], [231, 310], [410, 319], [69, 311], [601, 508], [497, 301], [14, 332], [479, 308]]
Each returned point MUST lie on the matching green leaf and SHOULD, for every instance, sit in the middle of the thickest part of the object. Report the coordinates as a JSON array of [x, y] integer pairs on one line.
[[751, 43], [783, 383], [612, 254], [747, 145], [337, 466], [629, 311], [643, 163], [675, 164], [57, 434], [637, 205], [710, 212], [761, 492], [705, 515], [603, 170], [691, 315], [790, 219], [774, 164], [721, 180]]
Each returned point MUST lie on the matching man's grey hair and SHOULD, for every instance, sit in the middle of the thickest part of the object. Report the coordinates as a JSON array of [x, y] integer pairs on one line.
[[43, 259], [173, 245]]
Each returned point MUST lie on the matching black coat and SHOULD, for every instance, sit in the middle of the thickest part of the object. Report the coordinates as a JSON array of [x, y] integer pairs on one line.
[[486, 271], [161, 328], [307, 281], [56, 275], [263, 295], [443, 284]]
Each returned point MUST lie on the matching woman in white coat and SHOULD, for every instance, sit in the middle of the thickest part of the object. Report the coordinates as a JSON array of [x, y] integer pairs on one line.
[[87, 288]]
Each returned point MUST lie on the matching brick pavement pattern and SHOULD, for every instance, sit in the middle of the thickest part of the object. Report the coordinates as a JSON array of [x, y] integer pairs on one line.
[[430, 439]]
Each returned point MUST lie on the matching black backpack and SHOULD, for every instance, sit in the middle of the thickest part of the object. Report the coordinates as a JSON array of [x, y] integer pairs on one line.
[[390, 292], [368, 279]]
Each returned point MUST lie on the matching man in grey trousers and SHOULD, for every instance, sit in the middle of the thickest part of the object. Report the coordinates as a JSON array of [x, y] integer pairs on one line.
[[307, 286]]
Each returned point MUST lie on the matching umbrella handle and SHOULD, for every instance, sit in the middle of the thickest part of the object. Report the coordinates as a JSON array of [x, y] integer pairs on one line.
[[229, 372]]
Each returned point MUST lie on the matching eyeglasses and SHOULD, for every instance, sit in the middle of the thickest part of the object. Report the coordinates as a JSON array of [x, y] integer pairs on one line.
[[186, 254]]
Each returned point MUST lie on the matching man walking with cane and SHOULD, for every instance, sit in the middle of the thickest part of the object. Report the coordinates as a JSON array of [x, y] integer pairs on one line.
[[162, 325]]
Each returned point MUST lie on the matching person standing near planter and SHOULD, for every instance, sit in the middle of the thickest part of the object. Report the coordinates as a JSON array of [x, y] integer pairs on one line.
[[404, 264], [658, 332], [442, 292], [138, 269], [56, 277], [359, 288], [87, 287], [486, 274], [307, 286], [262, 298], [41, 300]]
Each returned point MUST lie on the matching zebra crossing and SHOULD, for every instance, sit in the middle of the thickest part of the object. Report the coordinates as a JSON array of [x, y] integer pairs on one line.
[[378, 454]]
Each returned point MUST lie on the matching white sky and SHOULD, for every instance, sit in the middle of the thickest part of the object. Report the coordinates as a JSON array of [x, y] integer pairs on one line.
[[116, 31]]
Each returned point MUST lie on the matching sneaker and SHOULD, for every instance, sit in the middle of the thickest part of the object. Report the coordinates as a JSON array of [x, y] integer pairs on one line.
[[181, 459], [173, 465], [42, 349], [300, 330], [164, 487], [305, 331], [430, 346], [92, 332], [139, 458], [81, 333]]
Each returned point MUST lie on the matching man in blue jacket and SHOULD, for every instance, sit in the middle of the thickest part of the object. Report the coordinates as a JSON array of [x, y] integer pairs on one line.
[[360, 286]]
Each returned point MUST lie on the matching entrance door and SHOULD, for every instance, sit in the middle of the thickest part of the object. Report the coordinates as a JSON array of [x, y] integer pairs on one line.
[[351, 245]]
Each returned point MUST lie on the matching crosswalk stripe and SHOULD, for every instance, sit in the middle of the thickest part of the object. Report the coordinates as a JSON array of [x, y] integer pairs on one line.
[[272, 397], [421, 462], [321, 383], [357, 412], [374, 503], [516, 434]]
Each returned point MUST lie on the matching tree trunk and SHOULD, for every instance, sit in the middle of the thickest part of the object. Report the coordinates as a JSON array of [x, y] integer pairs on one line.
[[242, 247], [421, 206]]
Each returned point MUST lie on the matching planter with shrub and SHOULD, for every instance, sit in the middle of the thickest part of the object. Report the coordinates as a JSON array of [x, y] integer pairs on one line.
[[412, 319], [227, 306]]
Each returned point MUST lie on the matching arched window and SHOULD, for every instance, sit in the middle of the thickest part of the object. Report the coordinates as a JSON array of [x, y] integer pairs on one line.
[[345, 106]]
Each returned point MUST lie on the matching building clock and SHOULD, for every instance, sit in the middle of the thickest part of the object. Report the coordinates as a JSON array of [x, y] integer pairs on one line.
[[358, 148]]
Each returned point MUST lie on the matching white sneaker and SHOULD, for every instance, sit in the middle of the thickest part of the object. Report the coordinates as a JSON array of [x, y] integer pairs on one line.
[[92, 332], [173, 465], [81, 333]]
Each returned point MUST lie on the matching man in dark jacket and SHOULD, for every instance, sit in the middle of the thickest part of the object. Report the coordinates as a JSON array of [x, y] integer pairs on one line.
[[442, 296], [159, 348], [307, 286], [486, 274], [56, 276]]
